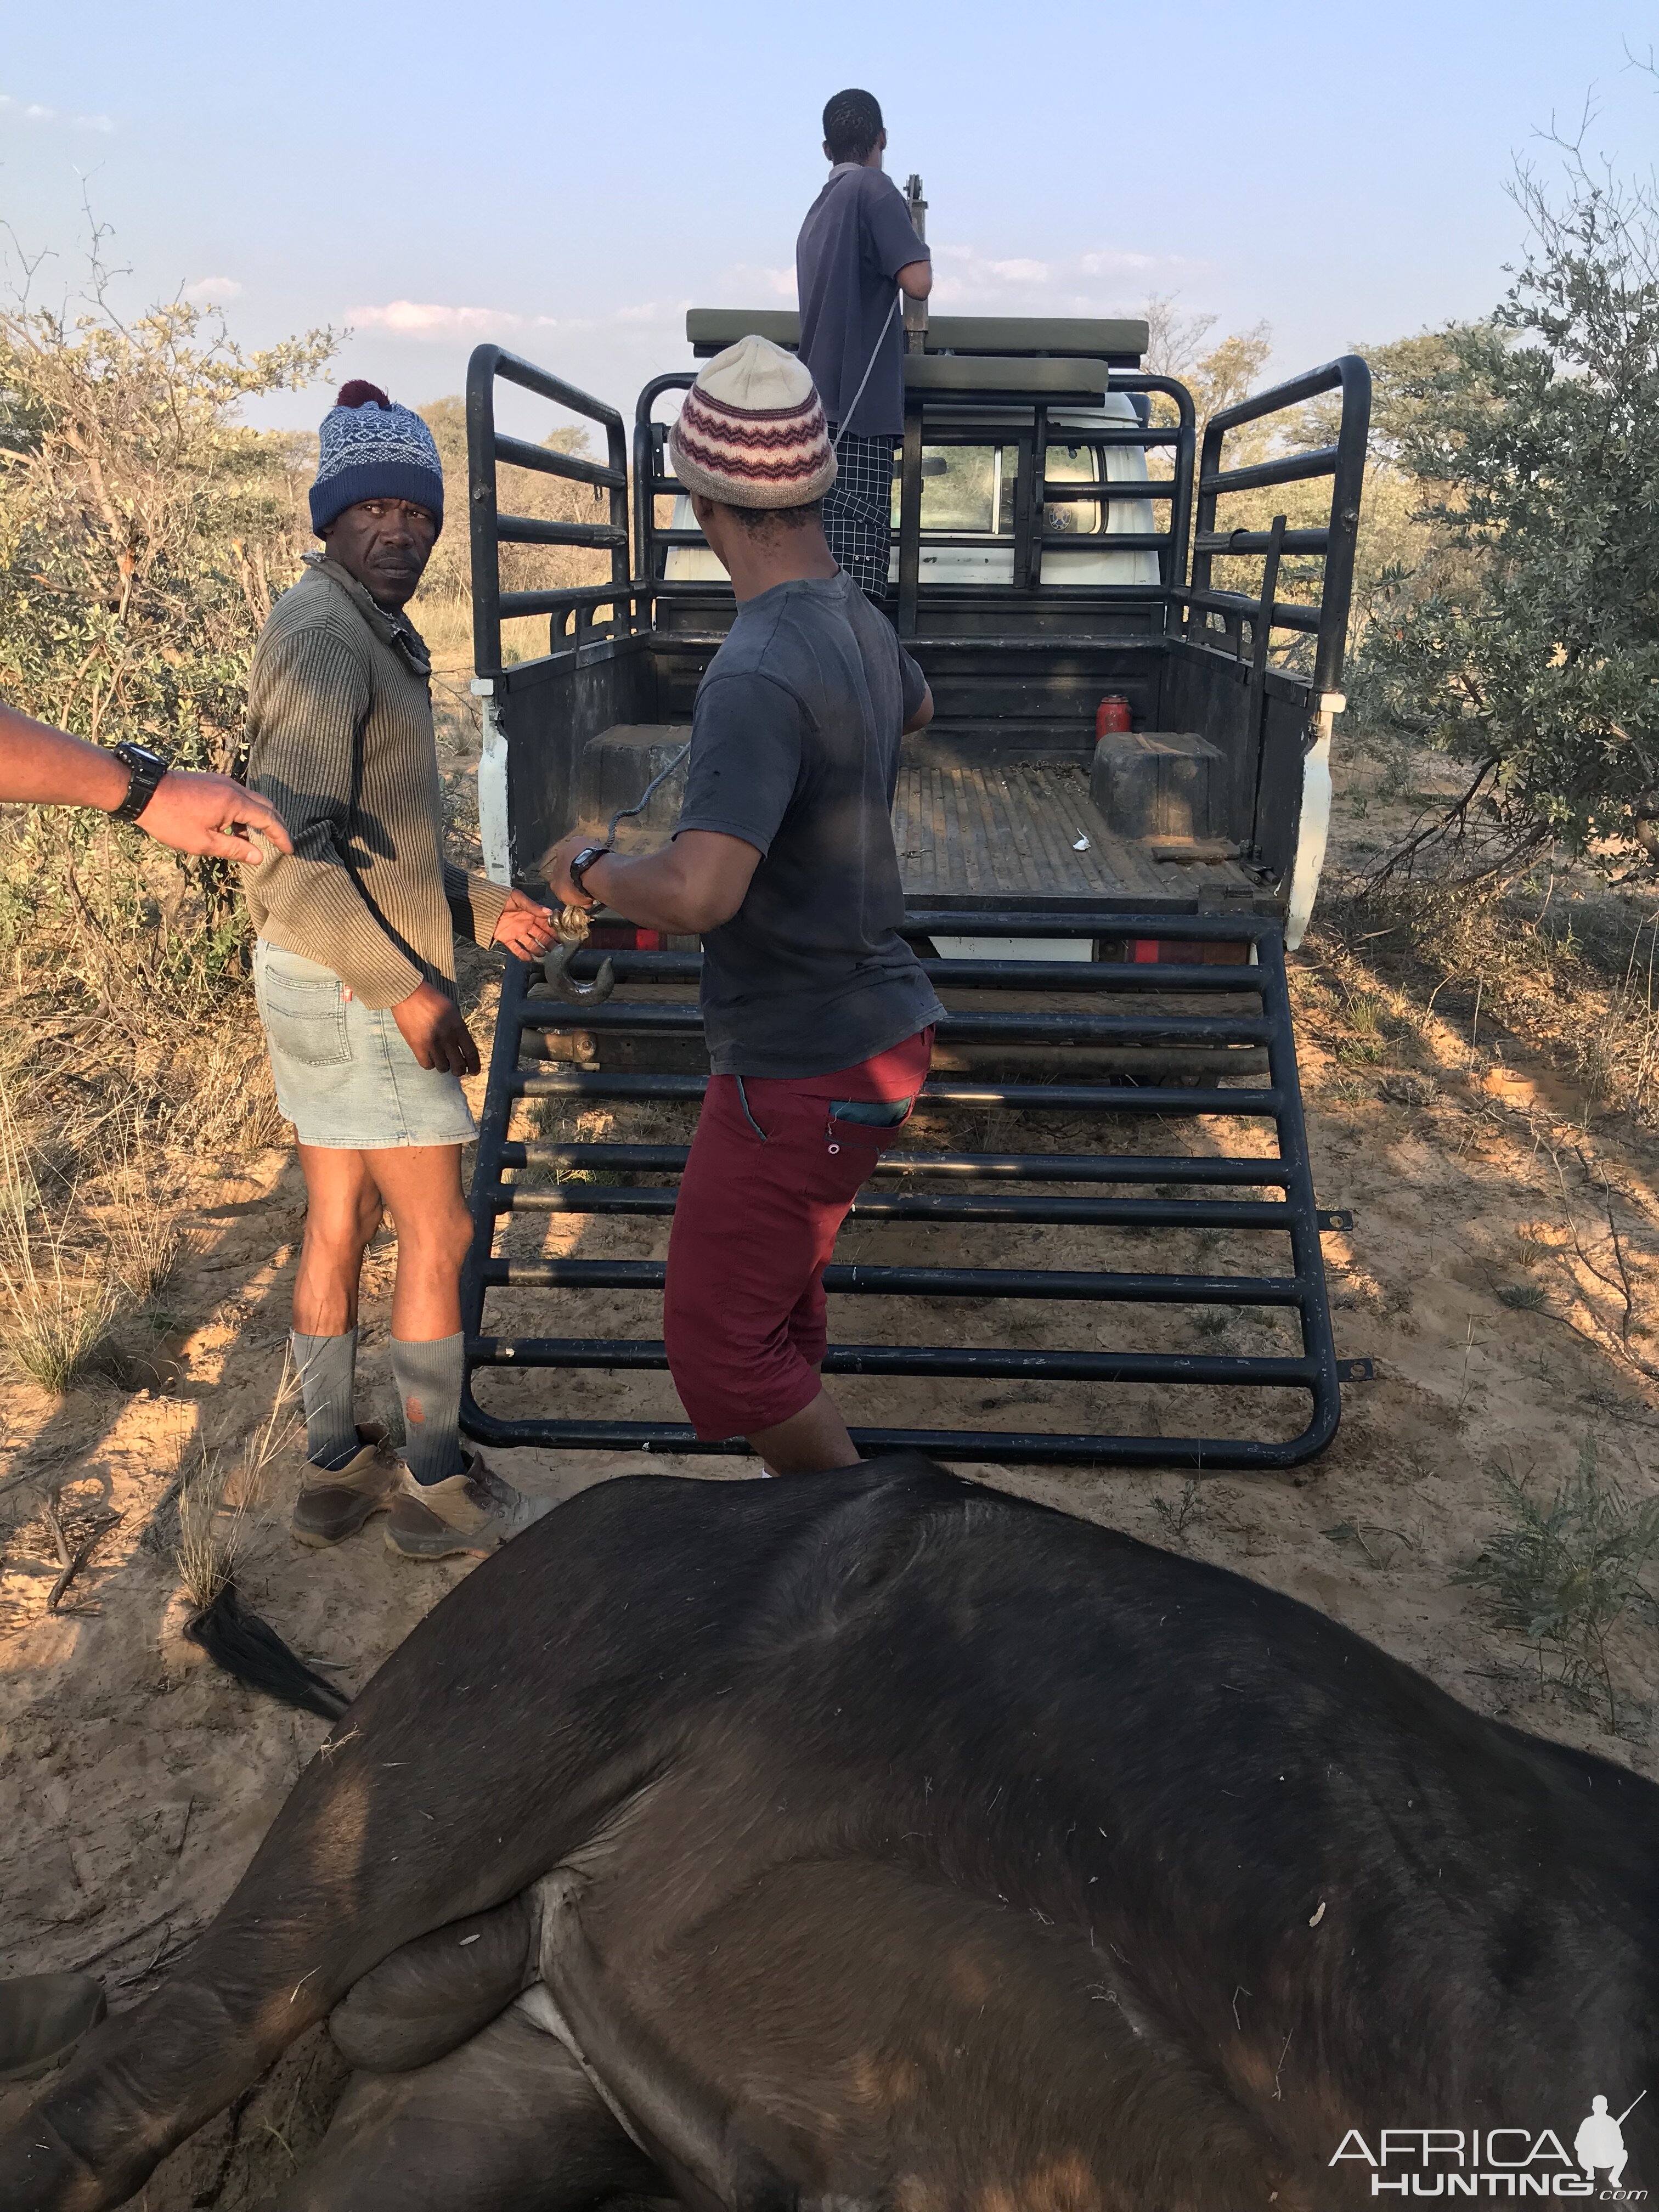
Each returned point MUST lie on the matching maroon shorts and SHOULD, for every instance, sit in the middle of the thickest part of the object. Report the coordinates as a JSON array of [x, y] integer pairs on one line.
[[771, 1174]]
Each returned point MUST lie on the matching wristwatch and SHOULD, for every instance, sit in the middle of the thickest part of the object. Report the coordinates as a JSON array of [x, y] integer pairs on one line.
[[585, 860], [147, 769]]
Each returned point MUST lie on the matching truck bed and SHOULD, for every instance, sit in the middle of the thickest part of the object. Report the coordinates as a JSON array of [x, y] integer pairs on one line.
[[1013, 832], [964, 833]]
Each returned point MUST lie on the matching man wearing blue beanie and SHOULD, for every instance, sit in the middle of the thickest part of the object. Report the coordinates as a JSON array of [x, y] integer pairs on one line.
[[354, 976], [370, 448]]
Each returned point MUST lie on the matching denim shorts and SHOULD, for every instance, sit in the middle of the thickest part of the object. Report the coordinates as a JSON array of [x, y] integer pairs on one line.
[[345, 1077]]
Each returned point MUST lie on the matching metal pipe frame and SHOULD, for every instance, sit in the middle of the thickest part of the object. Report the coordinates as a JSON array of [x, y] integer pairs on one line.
[[1161, 1099], [1068, 494], [1025, 975], [1258, 541], [1101, 1288], [641, 1355], [1288, 614], [884, 1206], [1345, 464], [486, 449], [948, 421], [632, 1019], [1129, 1167], [992, 1188], [650, 484]]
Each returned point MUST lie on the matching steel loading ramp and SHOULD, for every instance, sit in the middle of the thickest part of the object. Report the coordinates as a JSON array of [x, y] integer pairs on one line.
[[1191, 1194]]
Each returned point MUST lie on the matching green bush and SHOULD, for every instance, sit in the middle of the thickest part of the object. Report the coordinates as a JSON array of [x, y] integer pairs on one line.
[[1526, 643], [144, 534]]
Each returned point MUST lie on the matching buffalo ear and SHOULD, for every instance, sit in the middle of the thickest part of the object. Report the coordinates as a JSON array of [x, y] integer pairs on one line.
[[433, 1994]]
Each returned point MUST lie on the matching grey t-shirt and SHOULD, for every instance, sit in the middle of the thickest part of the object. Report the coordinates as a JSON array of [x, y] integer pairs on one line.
[[856, 238], [795, 749]]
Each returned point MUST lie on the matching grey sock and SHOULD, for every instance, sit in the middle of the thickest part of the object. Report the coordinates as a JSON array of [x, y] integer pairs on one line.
[[327, 1365], [428, 1379]]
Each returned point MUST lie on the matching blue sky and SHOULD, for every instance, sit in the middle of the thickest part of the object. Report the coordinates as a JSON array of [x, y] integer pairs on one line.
[[566, 181]]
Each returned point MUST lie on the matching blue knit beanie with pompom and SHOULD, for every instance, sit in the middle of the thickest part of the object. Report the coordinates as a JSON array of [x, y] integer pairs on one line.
[[371, 448]]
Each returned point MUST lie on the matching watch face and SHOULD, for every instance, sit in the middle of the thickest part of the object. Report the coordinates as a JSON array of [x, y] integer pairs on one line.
[[146, 768]]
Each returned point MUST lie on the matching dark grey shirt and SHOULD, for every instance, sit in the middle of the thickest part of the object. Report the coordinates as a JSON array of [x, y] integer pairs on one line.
[[856, 238], [795, 749]]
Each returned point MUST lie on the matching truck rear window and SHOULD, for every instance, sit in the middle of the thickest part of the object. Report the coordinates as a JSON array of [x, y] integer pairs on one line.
[[968, 491]]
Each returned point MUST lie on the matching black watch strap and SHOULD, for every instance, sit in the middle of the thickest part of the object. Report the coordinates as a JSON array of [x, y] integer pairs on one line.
[[146, 768], [583, 861]]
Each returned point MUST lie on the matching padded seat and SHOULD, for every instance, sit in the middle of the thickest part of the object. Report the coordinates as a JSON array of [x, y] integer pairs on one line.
[[1122, 341], [945, 373], [711, 330]]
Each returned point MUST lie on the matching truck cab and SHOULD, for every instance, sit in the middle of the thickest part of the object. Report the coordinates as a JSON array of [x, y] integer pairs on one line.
[[970, 493]]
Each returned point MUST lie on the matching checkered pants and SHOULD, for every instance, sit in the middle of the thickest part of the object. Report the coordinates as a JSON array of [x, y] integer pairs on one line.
[[858, 510]]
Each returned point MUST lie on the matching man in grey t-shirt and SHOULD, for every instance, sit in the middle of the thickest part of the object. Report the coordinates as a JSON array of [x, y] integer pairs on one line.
[[817, 1013], [857, 252]]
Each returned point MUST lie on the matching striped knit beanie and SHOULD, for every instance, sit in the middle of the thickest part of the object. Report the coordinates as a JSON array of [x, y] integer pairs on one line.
[[751, 431], [374, 449]]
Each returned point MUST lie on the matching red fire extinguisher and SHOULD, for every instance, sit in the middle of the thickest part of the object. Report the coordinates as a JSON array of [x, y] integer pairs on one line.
[[1111, 716]]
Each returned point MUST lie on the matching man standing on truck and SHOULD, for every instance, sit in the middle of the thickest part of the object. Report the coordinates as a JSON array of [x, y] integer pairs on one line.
[[856, 255], [817, 1014], [355, 975]]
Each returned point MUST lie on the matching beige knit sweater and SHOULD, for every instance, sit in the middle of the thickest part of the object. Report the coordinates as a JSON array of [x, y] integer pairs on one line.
[[340, 741]]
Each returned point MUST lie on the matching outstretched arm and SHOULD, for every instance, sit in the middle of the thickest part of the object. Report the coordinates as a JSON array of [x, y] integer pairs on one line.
[[209, 814], [691, 886]]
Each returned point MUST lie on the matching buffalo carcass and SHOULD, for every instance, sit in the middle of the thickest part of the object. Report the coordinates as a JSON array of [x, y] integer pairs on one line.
[[873, 1839]]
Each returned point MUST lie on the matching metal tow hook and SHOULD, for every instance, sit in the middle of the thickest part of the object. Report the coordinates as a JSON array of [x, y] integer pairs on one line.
[[556, 967]]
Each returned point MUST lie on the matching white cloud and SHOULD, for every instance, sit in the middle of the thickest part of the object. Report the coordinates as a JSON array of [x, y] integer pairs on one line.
[[1114, 264], [415, 319], [748, 284], [213, 290], [32, 111], [419, 319], [965, 279]]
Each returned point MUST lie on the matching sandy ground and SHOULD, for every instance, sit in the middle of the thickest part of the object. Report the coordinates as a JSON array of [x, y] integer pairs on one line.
[[135, 1781]]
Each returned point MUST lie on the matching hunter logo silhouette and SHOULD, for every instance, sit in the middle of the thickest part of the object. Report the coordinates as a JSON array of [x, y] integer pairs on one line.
[[1600, 2141]]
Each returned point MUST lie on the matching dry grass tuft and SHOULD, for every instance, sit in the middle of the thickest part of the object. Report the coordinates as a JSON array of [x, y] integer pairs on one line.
[[224, 1500], [229, 1102], [145, 1243], [61, 1305]]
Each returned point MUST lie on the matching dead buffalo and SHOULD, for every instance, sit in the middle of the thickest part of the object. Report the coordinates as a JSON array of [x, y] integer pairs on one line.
[[873, 1840]]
